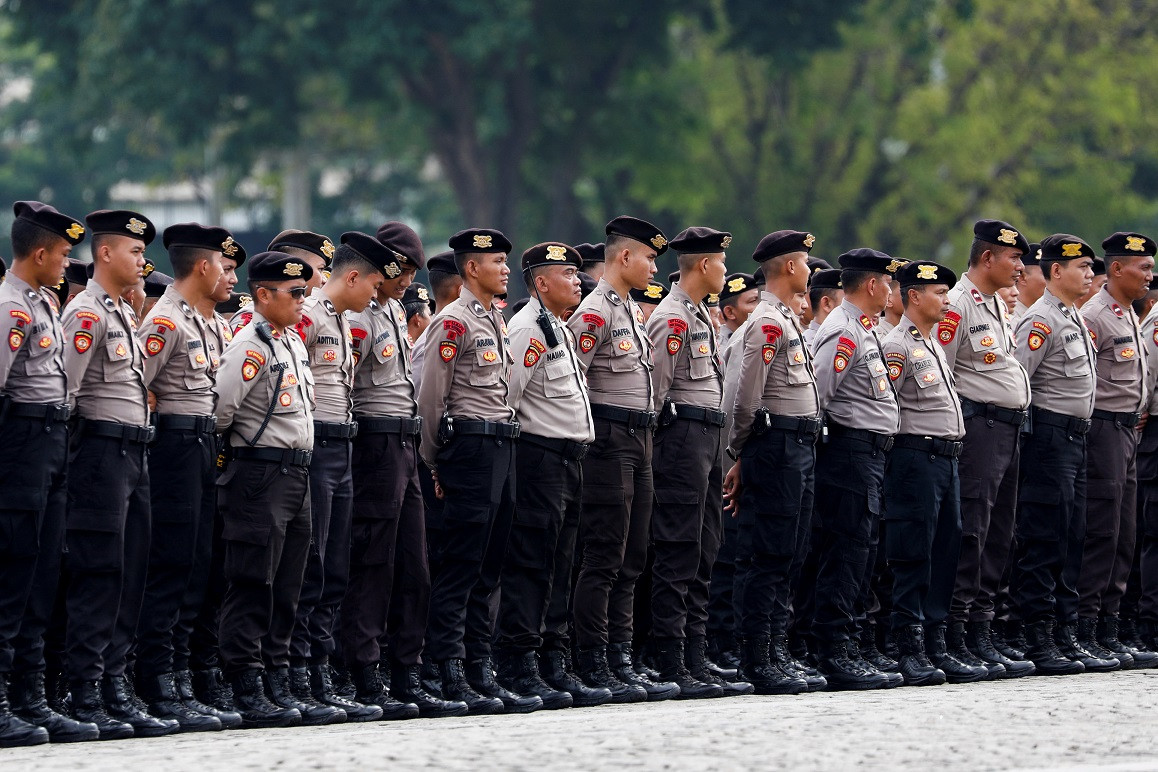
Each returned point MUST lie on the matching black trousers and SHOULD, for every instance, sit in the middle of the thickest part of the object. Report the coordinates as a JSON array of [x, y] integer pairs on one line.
[[477, 475], [196, 640], [1111, 517], [723, 615], [328, 560], [777, 473], [182, 475], [614, 530], [107, 539], [388, 595], [265, 510], [922, 534], [549, 494], [1051, 524], [33, 466], [1142, 600]]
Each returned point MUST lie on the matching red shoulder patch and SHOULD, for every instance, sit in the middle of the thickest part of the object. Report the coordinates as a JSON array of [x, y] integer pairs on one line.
[[678, 326], [586, 342], [1045, 328], [772, 332], [454, 329], [447, 349], [947, 327], [595, 320], [535, 349], [357, 335]]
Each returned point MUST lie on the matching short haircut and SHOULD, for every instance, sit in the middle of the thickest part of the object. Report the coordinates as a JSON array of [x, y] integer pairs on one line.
[[687, 262], [852, 279], [462, 258], [977, 249], [346, 260], [185, 259], [27, 237], [417, 308], [443, 283], [617, 243], [816, 293]]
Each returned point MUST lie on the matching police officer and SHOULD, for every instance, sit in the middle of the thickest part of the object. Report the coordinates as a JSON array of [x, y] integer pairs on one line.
[[649, 298], [419, 307], [615, 352], [861, 409], [1030, 284], [1112, 444], [921, 486], [108, 519], [1054, 346], [994, 392], [738, 299], [33, 464], [265, 410], [824, 294], [314, 248], [468, 434], [549, 397], [445, 286], [594, 258]]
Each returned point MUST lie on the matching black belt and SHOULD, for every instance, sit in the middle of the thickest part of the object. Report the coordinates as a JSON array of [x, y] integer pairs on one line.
[[408, 426], [1127, 420], [57, 413], [990, 412], [486, 428], [283, 456], [568, 449], [118, 431], [1070, 423], [933, 445], [793, 424], [701, 414], [202, 424], [635, 419], [877, 440], [329, 431]]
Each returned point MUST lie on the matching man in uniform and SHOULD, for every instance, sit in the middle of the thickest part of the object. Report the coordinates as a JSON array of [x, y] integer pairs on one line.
[[994, 392], [738, 299], [468, 434], [648, 298], [33, 464], [893, 311], [549, 397], [419, 308], [1054, 346], [861, 408], [108, 519], [1030, 283], [445, 286], [265, 410], [824, 294], [923, 530], [1112, 444], [314, 249], [594, 257], [614, 350]]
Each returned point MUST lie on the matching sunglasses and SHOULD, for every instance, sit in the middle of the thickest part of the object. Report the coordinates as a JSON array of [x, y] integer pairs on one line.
[[297, 293]]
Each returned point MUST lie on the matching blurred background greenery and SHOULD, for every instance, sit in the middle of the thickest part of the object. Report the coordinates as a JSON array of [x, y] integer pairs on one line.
[[885, 123]]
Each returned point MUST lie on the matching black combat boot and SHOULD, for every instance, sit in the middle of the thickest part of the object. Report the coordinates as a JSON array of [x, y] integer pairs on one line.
[[456, 687], [257, 712], [1106, 636], [210, 688], [596, 673], [1144, 657], [480, 674], [121, 702], [956, 671], [183, 680], [846, 673], [518, 672], [724, 650], [765, 677], [704, 670], [406, 687], [28, 702], [1067, 643], [915, 666], [619, 659], [15, 732], [88, 706], [780, 655], [1043, 651], [979, 639], [670, 657], [1016, 642], [283, 691], [322, 688], [871, 653], [893, 677], [956, 646], [555, 668], [160, 694], [1086, 634]]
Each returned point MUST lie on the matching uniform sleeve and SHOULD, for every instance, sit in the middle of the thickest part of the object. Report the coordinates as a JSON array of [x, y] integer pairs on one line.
[[1034, 339], [896, 360], [527, 351], [949, 335], [240, 371], [590, 329], [239, 320], [307, 331], [761, 343], [84, 330], [669, 338], [834, 355], [17, 322], [1102, 338], [359, 335], [437, 375], [159, 338]]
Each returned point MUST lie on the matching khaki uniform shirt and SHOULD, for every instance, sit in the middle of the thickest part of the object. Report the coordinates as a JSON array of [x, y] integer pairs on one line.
[[685, 363], [180, 360], [384, 384], [926, 395], [256, 374], [326, 334], [1019, 310], [219, 337], [104, 360], [1120, 359], [980, 348], [810, 334], [614, 349], [1149, 333], [548, 391], [1056, 350], [32, 359], [851, 378]]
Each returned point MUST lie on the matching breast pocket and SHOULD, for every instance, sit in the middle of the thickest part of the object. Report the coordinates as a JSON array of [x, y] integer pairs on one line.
[[623, 355], [930, 387], [198, 372], [488, 367], [797, 369], [1125, 365], [560, 379], [700, 361], [289, 389], [118, 357], [1076, 361], [986, 353], [877, 379]]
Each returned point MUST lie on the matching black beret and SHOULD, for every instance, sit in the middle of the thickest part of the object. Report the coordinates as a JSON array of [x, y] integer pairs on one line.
[[712, 300], [818, 264], [155, 284], [782, 243], [278, 266], [639, 230], [1099, 267], [417, 294], [49, 219], [236, 302], [673, 277], [737, 284], [864, 259], [61, 291], [827, 278], [1064, 246], [551, 253], [311, 242], [925, 272], [1033, 255], [76, 271], [386, 260], [122, 223], [479, 240], [147, 269], [442, 262], [401, 239], [210, 237], [652, 294], [760, 278], [591, 253], [999, 232], [1129, 245], [701, 241], [587, 284]]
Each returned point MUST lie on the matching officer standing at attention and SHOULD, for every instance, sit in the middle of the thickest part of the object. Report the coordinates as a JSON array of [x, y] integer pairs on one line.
[[861, 408], [738, 299], [615, 352], [1054, 346], [923, 531], [33, 464], [1112, 444], [1031, 282], [468, 434], [549, 397], [180, 373], [994, 392], [824, 294], [445, 286], [594, 257], [265, 410], [316, 250]]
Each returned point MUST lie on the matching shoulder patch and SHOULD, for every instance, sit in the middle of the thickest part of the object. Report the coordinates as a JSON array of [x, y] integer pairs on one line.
[[678, 326], [896, 364], [447, 349], [82, 341], [947, 327], [674, 343], [1036, 340], [21, 317], [534, 350], [586, 342], [772, 332], [15, 338], [594, 320], [453, 328], [844, 351], [162, 321], [1042, 326]]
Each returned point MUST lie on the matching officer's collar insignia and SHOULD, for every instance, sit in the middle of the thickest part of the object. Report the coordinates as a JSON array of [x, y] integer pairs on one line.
[[782, 308], [477, 308], [976, 293], [690, 306], [326, 304], [613, 296], [374, 305], [866, 322], [185, 309], [915, 332], [1117, 309], [109, 301]]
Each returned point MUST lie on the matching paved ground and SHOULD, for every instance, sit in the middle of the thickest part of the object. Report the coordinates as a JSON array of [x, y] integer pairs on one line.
[[1106, 722]]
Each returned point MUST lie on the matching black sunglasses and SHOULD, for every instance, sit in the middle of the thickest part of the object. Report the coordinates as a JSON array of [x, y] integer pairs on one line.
[[297, 293]]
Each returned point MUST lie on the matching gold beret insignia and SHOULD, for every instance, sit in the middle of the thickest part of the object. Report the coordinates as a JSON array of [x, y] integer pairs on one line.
[[328, 249], [809, 240], [658, 241], [736, 285], [927, 272], [1007, 236], [291, 269], [229, 248], [482, 242], [75, 230], [1071, 250], [556, 253], [1136, 243], [135, 226]]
